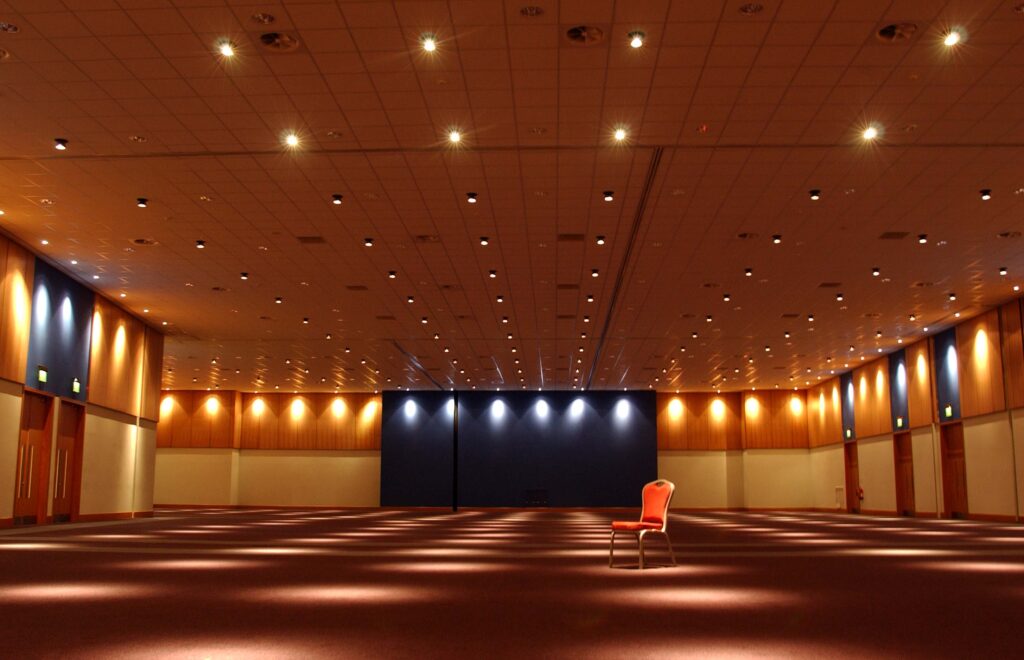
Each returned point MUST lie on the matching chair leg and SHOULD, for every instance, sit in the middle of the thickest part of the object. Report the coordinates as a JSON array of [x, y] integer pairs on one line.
[[640, 542], [611, 549], [671, 552]]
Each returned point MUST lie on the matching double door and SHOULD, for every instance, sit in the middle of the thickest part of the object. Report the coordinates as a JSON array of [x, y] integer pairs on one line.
[[36, 444]]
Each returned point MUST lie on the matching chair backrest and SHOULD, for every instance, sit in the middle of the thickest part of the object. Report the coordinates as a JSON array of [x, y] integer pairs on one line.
[[657, 495]]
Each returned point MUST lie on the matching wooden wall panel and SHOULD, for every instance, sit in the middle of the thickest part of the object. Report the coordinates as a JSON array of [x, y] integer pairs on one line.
[[174, 429], [16, 273], [297, 423], [117, 358], [872, 411], [1012, 341], [981, 368], [153, 360], [213, 420], [699, 421], [260, 413], [368, 421], [775, 419], [920, 400], [824, 414]]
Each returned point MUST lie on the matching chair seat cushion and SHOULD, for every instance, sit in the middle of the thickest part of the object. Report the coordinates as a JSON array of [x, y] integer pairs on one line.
[[633, 526]]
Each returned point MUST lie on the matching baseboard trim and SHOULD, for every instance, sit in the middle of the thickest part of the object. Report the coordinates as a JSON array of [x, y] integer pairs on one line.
[[885, 513], [289, 507], [104, 517], [991, 517]]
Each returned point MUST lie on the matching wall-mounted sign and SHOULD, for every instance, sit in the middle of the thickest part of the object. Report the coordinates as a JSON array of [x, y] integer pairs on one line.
[[41, 374], [76, 386], [948, 410], [899, 422]]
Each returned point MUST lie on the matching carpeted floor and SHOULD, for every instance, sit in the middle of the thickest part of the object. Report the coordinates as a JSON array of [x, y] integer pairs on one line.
[[509, 584]]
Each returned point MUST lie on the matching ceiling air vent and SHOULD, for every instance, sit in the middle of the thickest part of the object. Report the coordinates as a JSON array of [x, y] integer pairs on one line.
[[830, 285], [584, 35], [896, 32], [279, 42], [893, 235], [311, 240], [570, 238], [356, 287]]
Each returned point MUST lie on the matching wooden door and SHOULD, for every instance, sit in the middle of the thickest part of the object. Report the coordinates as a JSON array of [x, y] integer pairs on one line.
[[33, 467], [904, 461], [68, 462], [852, 477], [954, 472]]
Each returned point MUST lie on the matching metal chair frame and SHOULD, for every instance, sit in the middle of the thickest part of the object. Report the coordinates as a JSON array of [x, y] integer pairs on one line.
[[641, 533]]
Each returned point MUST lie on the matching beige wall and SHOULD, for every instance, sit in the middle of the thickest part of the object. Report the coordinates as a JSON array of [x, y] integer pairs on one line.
[[877, 467], [110, 454], [828, 472], [10, 425], [700, 477], [776, 478], [145, 466], [926, 475], [196, 476], [988, 451], [1017, 417]]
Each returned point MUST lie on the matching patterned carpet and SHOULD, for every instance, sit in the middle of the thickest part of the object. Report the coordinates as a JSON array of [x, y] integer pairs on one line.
[[509, 584]]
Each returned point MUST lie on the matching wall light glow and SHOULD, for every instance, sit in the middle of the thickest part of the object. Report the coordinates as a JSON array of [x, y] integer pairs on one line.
[[796, 405], [450, 407], [258, 406], [675, 408], [410, 409], [497, 409], [576, 408], [338, 406], [166, 404], [297, 408], [211, 405], [717, 409], [752, 407], [981, 348], [542, 408], [622, 409]]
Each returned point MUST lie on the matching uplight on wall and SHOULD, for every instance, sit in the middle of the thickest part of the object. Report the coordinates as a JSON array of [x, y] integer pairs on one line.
[[576, 408], [542, 408], [338, 406], [450, 407], [675, 408], [258, 406], [166, 404], [752, 407], [409, 409], [622, 410], [497, 409], [796, 405], [297, 408]]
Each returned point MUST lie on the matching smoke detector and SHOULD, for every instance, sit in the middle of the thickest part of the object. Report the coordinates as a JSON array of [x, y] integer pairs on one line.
[[896, 32], [279, 42], [584, 35]]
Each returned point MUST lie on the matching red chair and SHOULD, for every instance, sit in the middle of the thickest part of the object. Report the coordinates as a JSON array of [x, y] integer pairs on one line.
[[657, 495]]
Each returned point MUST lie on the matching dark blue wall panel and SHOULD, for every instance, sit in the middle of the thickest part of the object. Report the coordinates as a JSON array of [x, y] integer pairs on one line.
[[846, 395], [417, 452], [898, 390], [947, 375], [562, 449], [59, 338]]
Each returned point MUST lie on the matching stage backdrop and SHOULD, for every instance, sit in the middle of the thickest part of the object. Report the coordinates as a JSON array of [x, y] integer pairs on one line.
[[560, 449]]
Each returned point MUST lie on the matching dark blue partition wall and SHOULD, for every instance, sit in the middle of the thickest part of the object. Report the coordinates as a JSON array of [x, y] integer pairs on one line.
[[898, 390], [846, 390], [59, 337], [417, 454], [947, 376], [561, 449]]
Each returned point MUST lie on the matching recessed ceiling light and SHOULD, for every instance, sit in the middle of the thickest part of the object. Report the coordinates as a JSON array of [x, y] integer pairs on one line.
[[291, 140], [693, 335], [913, 317], [594, 272], [609, 195], [368, 242], [278, 300], [876, 271], [410, 299], [428, 42], [956, 315], [878, 334], [600, 240], [776, 239], [726, 297], [504, 319], [163, 323], [952, 296], [815, 194], [200, 244], [852, 348], [986, 194], [492, 274], [336, 199], [922, 238], [226, 48], [484, 240], [839, 297], [708, 318], [636, 39], [590, 298], [620, 134], [500, 298], [749, 272], [142, 202], [305, 320], [1016, 287], [786, 334], [1003, 270], [471, 197], [145, 310], [454, 136], [1, 211], [45, 242], [60, 144], [810, 318], [870, 133], [952, 38], [74, 262], [243, 275]]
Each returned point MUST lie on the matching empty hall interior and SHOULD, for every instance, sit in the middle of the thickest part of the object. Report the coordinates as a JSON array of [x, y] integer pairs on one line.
[[511, 328]]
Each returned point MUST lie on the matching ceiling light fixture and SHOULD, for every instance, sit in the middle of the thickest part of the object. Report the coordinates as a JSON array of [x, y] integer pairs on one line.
[[200, 244], [594, 272], [484, 240], [636, 39], [471, 197], [226, 48], [60, 144], [392, 274], [336, 199], [492, 274], [454, 136], [815, 194], [410, 300], [952, 296], [600, 240], [278, 300], [986, 194], [749, 272], [620, 134], [368, 242], [609, 195], [429, 43], [870, 133], [952, 38], [500, 298], [590, 298], [142, 202], [839, 297], [922, 238], [1003, 271], [876, 271], [244, 275], [726, 297], [776, 239], [913, 317], [291, 140]]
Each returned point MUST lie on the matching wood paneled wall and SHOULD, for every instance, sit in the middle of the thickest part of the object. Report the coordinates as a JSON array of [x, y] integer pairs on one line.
[[117, 358], [1012, 340], [872, 412], [824, 414], [152, 372], [16, 272], [920, 399], [699, 420], [775, 419], [269, 421], [979, 350]]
